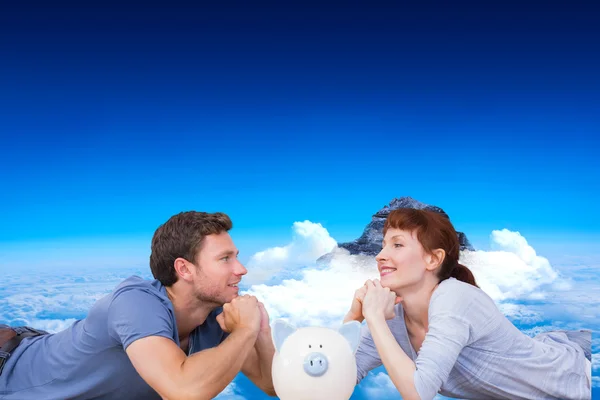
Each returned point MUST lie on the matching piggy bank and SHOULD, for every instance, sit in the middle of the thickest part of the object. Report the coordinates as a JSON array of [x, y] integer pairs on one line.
[[314, 363]]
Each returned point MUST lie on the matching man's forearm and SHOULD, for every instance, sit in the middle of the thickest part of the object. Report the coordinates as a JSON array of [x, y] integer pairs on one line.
[[206, 373], [352, 317], [265, 351]]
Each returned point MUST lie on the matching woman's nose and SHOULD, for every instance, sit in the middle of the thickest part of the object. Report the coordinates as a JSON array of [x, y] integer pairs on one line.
[[381, 256]]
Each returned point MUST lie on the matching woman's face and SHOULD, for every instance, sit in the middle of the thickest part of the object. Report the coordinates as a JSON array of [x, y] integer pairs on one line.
[[402, 262]]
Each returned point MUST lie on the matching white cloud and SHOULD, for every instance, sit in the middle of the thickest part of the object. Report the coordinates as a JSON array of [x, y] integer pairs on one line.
[[51, 325], [53, 299], [536, 330], [514, 271], [322, 296], [520, 312], [310, 241], [379, 386]]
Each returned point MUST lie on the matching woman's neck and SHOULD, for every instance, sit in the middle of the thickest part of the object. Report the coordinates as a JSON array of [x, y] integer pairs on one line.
[[415, 303]]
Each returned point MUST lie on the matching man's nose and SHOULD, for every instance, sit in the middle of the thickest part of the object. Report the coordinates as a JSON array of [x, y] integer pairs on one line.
[[241, 270]]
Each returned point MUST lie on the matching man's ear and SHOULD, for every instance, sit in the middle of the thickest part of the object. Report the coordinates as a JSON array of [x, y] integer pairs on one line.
[[435, 259], [183, 269]]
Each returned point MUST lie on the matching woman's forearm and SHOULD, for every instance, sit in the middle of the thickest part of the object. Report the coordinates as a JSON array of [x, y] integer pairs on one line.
[[399, 366]]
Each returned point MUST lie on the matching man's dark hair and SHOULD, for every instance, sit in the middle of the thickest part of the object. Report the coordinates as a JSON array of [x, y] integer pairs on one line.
[[182, 236]]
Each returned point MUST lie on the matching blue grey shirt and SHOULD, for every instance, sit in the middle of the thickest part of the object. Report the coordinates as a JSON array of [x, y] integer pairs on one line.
[[88, 359], [473, 351]]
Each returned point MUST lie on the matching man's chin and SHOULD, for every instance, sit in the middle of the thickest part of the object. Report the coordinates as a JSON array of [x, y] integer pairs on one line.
[[233, 292], [216, 301], [229, 298]]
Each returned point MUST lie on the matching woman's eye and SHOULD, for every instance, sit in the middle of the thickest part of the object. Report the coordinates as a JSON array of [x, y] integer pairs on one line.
[[397, 245]]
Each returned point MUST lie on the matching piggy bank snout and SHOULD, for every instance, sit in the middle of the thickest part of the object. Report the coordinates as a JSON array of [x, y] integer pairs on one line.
[[315, 364]]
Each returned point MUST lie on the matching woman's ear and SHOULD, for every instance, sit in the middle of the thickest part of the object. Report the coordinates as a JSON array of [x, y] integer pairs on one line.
[[435, 259]]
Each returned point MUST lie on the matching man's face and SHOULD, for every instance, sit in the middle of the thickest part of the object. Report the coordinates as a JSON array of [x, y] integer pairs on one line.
[[218, 270]]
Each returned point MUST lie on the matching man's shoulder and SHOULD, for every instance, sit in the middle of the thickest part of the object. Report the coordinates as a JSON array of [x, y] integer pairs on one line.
[[138, 308], [130, 291], [138, 284], [135, 291], [135, 281]]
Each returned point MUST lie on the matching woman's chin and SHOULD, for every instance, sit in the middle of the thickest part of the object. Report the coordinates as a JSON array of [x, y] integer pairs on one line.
[[388, 281]]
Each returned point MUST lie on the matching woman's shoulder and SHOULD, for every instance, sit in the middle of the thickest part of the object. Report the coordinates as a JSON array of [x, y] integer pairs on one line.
[[459, 298]]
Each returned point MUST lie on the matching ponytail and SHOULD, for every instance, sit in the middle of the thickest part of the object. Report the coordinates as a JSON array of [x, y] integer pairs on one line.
[[463, 274]]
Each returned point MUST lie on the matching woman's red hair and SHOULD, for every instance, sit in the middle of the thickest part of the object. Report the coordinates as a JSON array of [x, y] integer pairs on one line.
[[434, 231]]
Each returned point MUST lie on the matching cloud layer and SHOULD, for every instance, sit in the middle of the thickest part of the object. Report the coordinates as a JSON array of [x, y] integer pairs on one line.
[[514, 270], [524, 284]]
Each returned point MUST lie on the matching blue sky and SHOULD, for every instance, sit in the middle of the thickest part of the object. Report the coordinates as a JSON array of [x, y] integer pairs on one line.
[[114, 118]]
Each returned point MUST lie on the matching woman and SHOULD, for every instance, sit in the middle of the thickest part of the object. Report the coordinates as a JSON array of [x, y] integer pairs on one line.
[[435, 331]]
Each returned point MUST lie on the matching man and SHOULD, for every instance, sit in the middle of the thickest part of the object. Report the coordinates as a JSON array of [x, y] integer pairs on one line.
[[151, 339]]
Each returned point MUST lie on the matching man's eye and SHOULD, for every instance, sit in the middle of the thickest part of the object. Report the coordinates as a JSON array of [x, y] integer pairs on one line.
[[226, 258], [397, 245]]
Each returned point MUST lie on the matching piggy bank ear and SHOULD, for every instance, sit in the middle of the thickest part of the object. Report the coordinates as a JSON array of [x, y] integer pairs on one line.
[[280, 330], [351, 331]]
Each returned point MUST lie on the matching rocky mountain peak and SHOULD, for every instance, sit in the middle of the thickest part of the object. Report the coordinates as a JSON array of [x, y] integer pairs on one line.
[[369, 243]]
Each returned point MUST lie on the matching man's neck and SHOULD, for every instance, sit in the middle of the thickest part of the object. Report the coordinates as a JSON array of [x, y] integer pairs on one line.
[[190, 312]]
